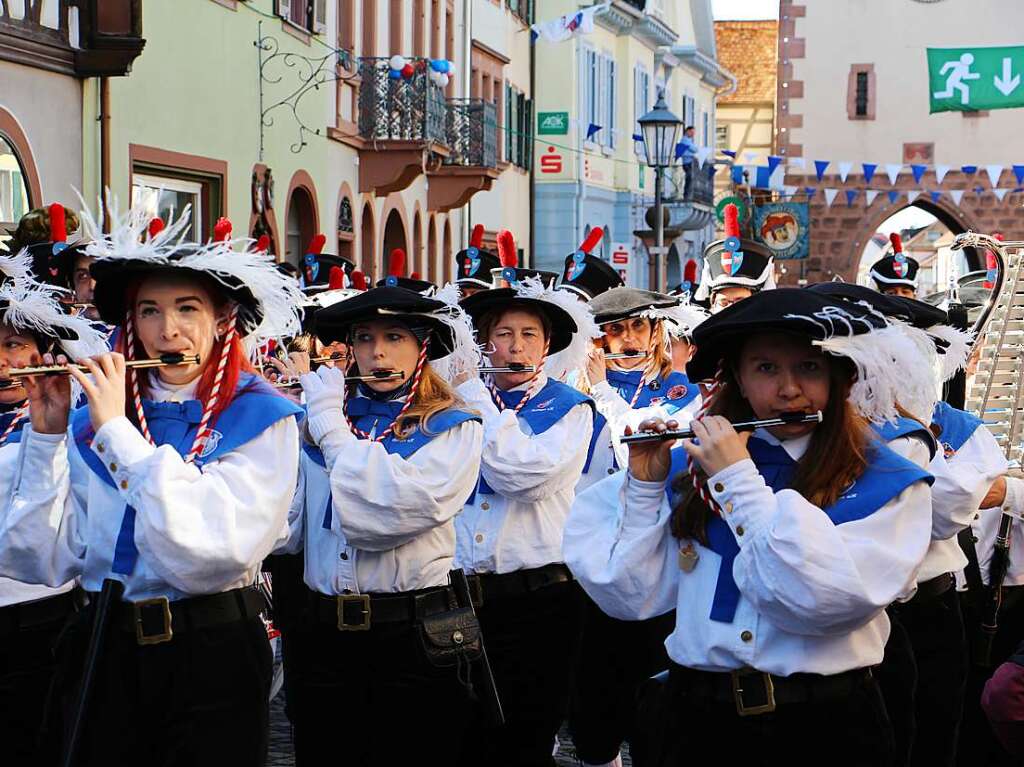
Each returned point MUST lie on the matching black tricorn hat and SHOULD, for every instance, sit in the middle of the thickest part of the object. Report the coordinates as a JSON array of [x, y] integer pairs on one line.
[[396, 275], [622, 303], [895, 268], [317, 276], [474, 263], [909, 310], [589, 276], [562, 324], [786, 310]]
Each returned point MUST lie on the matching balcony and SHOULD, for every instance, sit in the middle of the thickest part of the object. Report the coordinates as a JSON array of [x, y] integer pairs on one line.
[[471, 130], [402, 123], [690, 195]]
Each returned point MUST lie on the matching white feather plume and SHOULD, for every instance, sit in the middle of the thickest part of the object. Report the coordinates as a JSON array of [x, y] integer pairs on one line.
[[33, 307], [17, 266], [957, 349], [466, 355], [680, 320], [574, 356]]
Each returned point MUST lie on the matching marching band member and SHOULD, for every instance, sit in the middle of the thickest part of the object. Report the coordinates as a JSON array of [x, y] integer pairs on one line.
[[161, 486], [536, 438], [779, 567], [585, 274], [734, 268], [474, 265], [895, 274], [32, 324], [388, 467], [396, 276]]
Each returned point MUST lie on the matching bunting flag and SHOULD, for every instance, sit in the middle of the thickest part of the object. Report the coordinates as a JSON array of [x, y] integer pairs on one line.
[[935, 196], [789, 191], [957, 195], [1018, 171], [869, 171], [749, 157], [893, 195], [968, 170], [726, 152], [819, 168], [773, 162], [870, 195], [830, 195], [979, 190], [851, 195], [913, 194], [809, 191], [1000, 193], [592, 130], [918, 171], [703, 154], [844, 170], [994, 172], [941, 171], [892, 170]]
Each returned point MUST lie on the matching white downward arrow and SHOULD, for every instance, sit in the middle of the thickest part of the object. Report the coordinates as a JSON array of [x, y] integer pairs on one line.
[[1006, 84]]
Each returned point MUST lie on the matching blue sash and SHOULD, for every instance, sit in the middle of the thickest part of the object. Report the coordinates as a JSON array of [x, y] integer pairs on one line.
[[956, 425], [255, 408], [886, 476], [673, 392], [368, 415], [906, 427]]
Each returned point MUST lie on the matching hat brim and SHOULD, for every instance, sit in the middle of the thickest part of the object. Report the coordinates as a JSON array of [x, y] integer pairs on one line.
[[478, 305]]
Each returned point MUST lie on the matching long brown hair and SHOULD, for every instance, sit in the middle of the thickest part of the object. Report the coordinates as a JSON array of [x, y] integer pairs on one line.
[[433, 395], [834, 459]]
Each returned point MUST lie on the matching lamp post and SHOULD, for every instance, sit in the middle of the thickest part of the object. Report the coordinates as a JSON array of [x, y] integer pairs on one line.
[[660, 130]]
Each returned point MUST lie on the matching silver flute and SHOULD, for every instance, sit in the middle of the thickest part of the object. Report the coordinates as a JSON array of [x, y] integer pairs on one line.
[[783, 420]]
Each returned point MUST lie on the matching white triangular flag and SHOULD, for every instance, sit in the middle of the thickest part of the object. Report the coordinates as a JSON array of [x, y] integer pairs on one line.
[[830, 194], [940, 172], [749, 157], [913, 194], [703, 154], [797, 162], [870, 195], [1000, 193], [957, 195], [892, 170], [994, 172], [789, 191], [844, 169]]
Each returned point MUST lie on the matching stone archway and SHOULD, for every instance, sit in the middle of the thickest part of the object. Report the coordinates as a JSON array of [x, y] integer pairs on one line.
[[368, 244], [394, 237]]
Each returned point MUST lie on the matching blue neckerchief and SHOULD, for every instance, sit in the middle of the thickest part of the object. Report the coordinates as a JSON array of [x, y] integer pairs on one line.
[[673, 392], [255, 407], [906, 427], [887, 475], [366, 413], [546, 408], [956, 427]]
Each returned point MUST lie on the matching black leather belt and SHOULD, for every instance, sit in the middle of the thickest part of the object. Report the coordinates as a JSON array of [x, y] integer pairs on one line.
[[154, 621], [41, 612], [516, 584], [755, 692], [358, 612], [935, 587]]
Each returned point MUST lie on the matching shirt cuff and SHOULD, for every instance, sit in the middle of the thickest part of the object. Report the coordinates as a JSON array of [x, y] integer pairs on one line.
[[1013, 503], [641, 502], [119, 446], [325, 423], [744, 498]]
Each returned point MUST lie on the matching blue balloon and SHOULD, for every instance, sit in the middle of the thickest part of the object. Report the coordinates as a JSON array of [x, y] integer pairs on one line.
[[440, 65], [395, 74]]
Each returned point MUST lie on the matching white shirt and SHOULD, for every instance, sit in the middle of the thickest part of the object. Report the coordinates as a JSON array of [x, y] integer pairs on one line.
[[392, 518], [987, 526], [519, 526], [812, 593], [197, 532]]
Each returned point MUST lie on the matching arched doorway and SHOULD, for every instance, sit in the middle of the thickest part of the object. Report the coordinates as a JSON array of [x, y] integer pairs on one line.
[[927, 232], [417, 247], [346, 229], [394, 237], [368, 244], [433, 268], [300, 225], [446, 253], [15, 199]]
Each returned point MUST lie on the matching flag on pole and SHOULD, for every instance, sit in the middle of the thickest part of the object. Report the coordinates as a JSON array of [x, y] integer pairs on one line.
[[568, 26]]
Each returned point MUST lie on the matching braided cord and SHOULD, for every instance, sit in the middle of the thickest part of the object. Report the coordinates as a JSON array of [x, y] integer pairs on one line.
[[133, 377], [22, 412], [691, 466], [420, 366], [530, 390], [203, 432]]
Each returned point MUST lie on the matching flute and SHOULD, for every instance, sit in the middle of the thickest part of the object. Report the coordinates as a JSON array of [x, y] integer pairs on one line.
[[329, 357], [81, 304], [625, 355], [9, 385], [783, 420], [512, 367], [162, 361], [380, 375]]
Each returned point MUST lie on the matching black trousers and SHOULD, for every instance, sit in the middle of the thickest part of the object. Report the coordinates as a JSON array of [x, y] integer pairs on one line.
[[615, 658], [26, 672], [897, 679], [371, 698], [290, 597], [531, 641], [200, 699], [851, 732]]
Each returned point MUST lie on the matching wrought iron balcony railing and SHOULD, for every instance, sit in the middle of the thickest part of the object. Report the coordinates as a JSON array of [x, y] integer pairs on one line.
[[472, 133], [690, 182], [399, 110]]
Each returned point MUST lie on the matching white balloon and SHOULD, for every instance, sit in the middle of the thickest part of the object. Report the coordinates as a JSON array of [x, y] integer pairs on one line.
[[396, 62], [444, 79]]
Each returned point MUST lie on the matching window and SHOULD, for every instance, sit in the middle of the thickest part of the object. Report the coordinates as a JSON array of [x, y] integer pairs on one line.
[[518, 127], [609, 124], [14, 201], [599, 95], [592, 78], [641, 100], [310, 15], [522, 9], [705, 117], [689, 111], [721, 137], [167, 198], [861, 98], [860, 92]]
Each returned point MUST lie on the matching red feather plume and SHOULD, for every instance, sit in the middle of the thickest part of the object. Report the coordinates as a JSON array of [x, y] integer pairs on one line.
[[690, 271], [592, 239], [58, 224], [336, 279], [396, 263], [358, 280], [415, 275], [897, 242], [732, 220], [262, 244], [316, 245], [155, 227], [507, 249], [222, 230], [476, 240]]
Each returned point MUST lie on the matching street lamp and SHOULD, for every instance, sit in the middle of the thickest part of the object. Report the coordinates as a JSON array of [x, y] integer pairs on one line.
[[660, 131]]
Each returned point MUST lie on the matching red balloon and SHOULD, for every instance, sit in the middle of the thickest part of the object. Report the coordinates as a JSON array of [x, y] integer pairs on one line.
[[407, 71]]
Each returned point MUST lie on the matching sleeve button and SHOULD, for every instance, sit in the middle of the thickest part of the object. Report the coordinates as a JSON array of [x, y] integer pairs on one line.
[[124, 484], [740, 530], [719, 487], [113, 466], [746, 636]]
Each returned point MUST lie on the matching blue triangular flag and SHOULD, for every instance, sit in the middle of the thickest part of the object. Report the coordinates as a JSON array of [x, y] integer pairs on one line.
[[1018, 171], [979, 190], [737, 174], [533, 35], [763, 178], [969, 170], [810, 190], [851, 195], [728, 153], [680, 148], [773, 163], [591, 130], [935, 196], [638, 137], [819, 168], [893, 195], [869, 171], [918, 171]]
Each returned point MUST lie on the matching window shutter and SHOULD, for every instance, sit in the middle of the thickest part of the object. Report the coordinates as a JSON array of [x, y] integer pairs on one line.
[[284, 9], [610, 127], [320, 17]]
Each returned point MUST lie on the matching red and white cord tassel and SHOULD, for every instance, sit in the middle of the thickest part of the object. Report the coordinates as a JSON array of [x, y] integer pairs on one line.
[[133, 376], [530, 390], [691, 467], [203, 432], [20, 414], [421, 363]]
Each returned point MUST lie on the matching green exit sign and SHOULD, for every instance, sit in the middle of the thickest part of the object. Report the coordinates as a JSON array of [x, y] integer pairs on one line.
[[971, 79], [552, 123]]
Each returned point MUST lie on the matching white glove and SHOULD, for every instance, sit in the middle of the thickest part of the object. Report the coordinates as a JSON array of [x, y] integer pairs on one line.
[[325, 397]]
